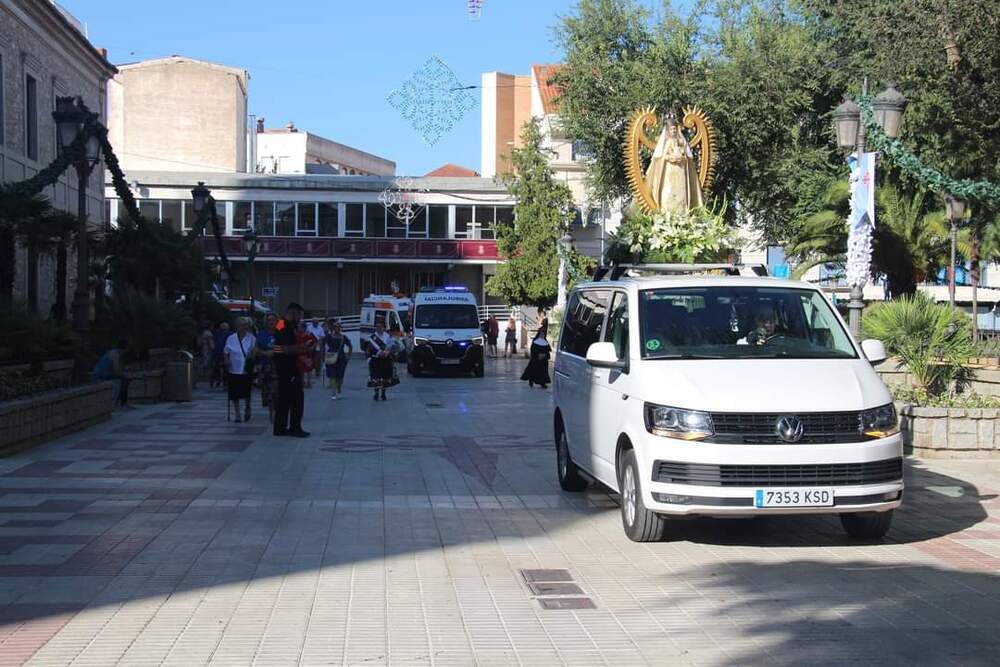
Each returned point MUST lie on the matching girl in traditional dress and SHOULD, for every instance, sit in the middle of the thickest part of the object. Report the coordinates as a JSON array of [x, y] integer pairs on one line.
[[537, 371], [338, 350]]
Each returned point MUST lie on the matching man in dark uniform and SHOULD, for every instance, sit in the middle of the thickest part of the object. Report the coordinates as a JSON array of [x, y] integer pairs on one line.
[[290, 400]]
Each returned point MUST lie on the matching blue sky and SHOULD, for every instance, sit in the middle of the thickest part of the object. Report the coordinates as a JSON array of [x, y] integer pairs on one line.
[[328, 65]]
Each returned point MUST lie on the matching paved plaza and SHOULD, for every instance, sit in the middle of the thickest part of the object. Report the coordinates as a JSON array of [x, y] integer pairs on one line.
[[430, 530]]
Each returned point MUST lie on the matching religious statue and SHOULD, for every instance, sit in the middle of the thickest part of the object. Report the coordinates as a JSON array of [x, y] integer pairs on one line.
[[673, 181]]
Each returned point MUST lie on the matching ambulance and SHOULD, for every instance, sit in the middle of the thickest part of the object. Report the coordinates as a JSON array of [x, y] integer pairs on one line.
[[393, 311], [446, 333]]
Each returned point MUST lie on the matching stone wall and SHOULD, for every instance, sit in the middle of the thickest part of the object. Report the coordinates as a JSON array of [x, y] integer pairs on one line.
[[950, 432], [985, 381], [30, 421]]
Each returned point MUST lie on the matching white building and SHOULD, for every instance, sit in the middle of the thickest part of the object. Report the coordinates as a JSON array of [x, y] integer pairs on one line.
[[291, 151]]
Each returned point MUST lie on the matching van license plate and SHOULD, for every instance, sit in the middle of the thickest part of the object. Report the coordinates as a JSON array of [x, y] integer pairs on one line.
[[450, 362], [793, 498]]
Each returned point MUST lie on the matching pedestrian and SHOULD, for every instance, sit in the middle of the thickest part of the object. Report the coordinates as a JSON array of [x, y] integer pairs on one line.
[[219, 339], [239, 357], [510, 338], [307, 355], [206, 348], [338, 351], [317, 331], [381, 368], [537, 371], [492, 334], [111, 368], [290, 399], [543, 324], [264, 365]]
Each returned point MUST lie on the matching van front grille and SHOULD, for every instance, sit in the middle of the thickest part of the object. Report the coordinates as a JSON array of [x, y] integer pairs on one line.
[[753, 428], [821, 474]]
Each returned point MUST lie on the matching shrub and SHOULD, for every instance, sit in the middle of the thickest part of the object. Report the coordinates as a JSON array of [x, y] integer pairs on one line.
[[945, 400], [30, 339], [932, 340], [146, 323], [21, 385]]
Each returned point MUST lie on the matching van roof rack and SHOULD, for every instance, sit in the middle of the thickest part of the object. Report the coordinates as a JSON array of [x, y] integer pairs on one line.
[[616, 271]]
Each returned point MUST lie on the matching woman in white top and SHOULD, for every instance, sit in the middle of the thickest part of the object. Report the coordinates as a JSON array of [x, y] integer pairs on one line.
[[238, 356]]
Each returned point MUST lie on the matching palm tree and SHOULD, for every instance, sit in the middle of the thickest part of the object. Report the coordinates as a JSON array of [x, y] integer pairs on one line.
[[821, 237], [908, 244]]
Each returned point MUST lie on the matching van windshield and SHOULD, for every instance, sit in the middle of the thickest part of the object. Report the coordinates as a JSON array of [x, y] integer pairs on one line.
[[450, 316], [740, 323]]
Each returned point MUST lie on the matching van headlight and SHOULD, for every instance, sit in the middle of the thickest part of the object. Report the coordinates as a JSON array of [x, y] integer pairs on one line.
[[678, 423], [417, 340], [880, 422], [477, 341]]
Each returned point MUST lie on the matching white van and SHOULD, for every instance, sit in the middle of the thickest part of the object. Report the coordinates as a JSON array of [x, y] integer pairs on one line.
[[446, 333], [723, 396]]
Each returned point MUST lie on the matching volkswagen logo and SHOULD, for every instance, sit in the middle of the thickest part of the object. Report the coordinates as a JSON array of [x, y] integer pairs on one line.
[[789, 429]]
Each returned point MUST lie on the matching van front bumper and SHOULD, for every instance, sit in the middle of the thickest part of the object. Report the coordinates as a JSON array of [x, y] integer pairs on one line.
[[691, 478], [439, 356]]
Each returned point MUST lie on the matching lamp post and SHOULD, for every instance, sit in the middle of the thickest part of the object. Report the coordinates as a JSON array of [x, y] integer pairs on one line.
[[956, 211], [250, 247], [850, 130], [70, 119], [200, 197], [565, 247]]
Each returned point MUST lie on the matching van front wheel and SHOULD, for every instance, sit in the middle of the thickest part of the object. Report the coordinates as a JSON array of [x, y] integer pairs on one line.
[[639, 523], [866, 525]]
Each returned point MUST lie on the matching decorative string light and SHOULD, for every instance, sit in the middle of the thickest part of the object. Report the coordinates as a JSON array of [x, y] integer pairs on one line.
[[433, 100]]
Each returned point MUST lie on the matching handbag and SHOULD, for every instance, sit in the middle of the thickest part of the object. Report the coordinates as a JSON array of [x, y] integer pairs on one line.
[[331, 358], [248, 363]]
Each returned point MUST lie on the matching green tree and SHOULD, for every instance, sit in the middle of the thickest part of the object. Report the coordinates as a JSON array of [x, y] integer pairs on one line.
[[820, 237], [543, 212]]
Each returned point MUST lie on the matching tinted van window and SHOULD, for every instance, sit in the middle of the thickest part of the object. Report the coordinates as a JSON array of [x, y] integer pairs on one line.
[[583, 321]]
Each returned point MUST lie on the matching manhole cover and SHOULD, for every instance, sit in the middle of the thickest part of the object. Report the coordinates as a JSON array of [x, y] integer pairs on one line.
[[567, 603], [546, 575], [555, 589]]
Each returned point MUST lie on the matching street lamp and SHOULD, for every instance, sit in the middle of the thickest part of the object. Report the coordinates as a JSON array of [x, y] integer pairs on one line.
[[70, 119], [888, 107], [565, 247], [956, 211], [200, 196], [250, 245]]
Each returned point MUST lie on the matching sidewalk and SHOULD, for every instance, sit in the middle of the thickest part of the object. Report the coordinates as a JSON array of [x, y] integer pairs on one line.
[[400, 533]]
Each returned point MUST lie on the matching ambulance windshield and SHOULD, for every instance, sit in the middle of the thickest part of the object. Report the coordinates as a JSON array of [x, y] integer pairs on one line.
[[447, 316]]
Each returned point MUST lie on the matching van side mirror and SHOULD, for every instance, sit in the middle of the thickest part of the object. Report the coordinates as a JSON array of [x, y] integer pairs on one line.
[[604, 355], [874, 351]]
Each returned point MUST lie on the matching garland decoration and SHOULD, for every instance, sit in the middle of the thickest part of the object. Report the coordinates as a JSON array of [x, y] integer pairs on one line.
[[911, 165]]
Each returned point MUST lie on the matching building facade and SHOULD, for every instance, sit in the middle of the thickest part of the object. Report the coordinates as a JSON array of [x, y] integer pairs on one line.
[[326, 241], [157, 107], [508, 101], [291, 151], [44, 54]]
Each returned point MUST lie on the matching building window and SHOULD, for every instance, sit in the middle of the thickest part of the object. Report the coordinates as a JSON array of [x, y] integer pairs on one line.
[[170, 214], [438, 221], [328, 219], [30, 117], [395, 228], [463, 222], [263, 218], [149, 209], [242, 216], [418, 226], [306, 223], [284, 219], [355, 222], [375, 215]]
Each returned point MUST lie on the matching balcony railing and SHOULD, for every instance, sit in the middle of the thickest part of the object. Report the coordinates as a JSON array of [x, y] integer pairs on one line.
[[360, 248]]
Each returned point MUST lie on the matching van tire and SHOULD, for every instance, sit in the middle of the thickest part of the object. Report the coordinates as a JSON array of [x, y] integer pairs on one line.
[[480, 371], [640, 524], [866, 525], [569, 475]]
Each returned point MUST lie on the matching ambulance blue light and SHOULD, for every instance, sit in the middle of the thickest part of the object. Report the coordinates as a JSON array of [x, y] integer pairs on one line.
[[456, 288]]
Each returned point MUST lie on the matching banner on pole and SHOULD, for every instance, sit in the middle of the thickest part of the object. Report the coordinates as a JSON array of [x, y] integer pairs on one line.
[[861, 223]]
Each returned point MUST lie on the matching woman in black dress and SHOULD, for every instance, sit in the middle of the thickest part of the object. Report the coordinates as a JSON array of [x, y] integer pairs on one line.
[[537, 371]]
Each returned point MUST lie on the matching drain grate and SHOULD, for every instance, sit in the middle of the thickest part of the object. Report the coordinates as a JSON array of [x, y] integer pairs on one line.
[[555, 589]]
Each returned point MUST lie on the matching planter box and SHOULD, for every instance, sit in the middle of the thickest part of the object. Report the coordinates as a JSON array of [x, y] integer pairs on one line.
[[30, 421], [957, 433], [61, 370], [983, 381], [144, 386]]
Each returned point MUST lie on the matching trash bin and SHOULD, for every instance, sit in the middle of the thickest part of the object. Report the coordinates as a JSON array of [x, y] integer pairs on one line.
[[178, 378]]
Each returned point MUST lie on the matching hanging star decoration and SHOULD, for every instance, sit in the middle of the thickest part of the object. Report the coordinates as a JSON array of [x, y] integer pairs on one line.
[[433, 100], [475, 9], [400, 199]]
